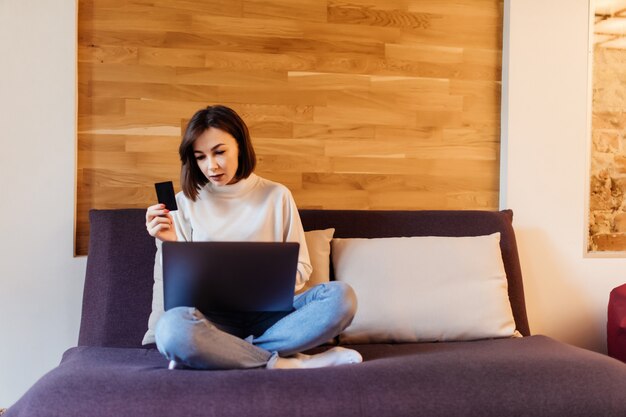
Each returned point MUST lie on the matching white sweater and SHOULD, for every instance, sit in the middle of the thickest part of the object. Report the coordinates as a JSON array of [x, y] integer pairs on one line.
[[253, 209]]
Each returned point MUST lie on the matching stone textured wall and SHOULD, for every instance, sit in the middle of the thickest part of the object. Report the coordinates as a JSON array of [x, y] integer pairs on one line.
[[607, 202]]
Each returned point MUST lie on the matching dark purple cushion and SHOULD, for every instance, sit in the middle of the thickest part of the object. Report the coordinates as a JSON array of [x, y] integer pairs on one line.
[[117, 297], [533, 376]]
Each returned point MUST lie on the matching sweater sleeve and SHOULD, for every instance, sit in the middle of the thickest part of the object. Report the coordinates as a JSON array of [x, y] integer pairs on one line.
[[182, 221], [294, 232]]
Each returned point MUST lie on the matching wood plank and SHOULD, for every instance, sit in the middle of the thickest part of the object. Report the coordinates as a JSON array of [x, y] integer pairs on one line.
[[273, 113], [252, 61], [157, 161], [126, 73], [483, 57], [147, 144], [254, 44], [328, 81], [340, 114], [280, 94], [468, 8], [86, 8], [331, 200], [429, 118], [411, 148], [132, 196], [103, 160], [271, 147], [153, 91], [101, 143], [141, 112], [107, 54], [175, 110], [88, 36], [270, 129], [333, 131], [392, 200], [476, 200], [382, 166], [357, 107], [347, 182], [248, 27], [425, 53], [375, 183], [203, 76], [307, 10], [232, 8], [171, 57], [127, 178], [291, 180], [101, 105], [374, 65], [378, 15], [293, 163], [413, 166], [401, 134], [143, 19], [149, 125], [472, 135], [338, 32], [474, 33], [349, 63]]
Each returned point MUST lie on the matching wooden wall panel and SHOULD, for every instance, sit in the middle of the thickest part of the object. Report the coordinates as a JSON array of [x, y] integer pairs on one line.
[[364, 104]]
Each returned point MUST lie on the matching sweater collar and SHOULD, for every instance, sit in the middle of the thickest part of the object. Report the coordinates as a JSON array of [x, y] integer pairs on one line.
[[237, 189]]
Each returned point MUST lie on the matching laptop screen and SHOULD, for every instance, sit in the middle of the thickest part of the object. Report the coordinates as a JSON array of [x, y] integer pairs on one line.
[[230, 276]]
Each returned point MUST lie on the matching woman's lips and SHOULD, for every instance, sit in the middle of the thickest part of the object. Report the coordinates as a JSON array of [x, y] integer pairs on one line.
[[216, 177]]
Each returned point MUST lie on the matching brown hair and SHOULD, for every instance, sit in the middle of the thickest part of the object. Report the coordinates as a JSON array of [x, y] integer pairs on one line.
[[219, 117]]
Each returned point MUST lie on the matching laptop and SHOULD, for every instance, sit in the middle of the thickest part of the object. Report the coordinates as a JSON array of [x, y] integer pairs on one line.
[[230, 276]]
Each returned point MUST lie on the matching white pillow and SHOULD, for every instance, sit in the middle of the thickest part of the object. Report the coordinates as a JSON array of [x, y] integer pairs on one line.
[[317, 242], [426, 288]]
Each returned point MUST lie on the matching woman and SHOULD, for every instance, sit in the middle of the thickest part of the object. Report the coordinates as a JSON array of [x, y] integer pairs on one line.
[[223, 200]]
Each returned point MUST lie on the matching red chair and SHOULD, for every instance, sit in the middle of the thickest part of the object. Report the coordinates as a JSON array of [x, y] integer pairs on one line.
[[616, 324]]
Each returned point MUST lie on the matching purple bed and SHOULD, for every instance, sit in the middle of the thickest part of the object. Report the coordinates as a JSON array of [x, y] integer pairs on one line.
[[109, 373]]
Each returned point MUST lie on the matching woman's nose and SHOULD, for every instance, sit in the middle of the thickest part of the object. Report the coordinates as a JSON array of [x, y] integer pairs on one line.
[[212, 164]]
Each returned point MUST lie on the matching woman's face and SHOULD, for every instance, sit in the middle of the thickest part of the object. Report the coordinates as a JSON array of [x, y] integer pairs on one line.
[[217, 156]]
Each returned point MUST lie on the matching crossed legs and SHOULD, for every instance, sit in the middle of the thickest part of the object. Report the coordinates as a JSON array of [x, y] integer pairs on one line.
[[186, 337]]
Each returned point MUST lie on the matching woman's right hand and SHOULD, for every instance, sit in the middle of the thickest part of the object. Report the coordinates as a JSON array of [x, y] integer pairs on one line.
[[160, 223]]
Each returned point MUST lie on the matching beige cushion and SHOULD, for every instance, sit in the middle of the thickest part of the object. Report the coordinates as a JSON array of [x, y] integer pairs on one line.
[[422, 289], [318, 244], [157, 296]]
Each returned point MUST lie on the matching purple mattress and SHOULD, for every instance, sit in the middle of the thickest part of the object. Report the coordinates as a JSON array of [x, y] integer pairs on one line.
[[110, 374], [533, 376]]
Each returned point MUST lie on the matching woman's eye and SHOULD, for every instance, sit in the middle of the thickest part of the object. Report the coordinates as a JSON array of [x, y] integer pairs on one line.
[[199, 157], [219, 152]]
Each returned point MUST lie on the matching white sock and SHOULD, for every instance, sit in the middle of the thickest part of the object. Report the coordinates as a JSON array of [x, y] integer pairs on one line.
[[332, 357]]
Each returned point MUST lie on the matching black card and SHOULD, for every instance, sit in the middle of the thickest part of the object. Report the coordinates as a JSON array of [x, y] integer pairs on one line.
[[165, 194]]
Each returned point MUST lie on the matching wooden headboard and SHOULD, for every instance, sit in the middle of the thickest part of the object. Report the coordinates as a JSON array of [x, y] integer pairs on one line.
[[353, 105]]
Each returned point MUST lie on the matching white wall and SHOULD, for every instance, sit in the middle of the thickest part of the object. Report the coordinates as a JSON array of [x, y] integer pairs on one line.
[[545, 128], [40, 281]]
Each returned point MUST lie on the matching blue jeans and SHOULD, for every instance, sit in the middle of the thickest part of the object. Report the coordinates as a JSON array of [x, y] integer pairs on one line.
[[228, 341]]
